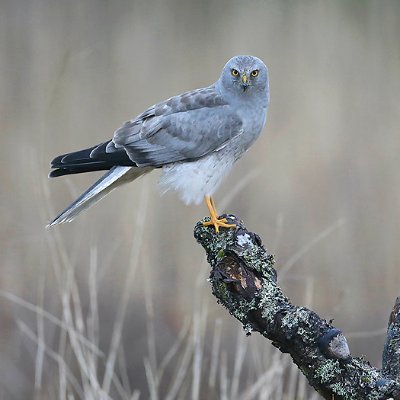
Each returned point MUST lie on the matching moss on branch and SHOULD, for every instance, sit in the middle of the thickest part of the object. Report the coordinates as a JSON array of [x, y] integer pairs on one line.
[[244, 281]]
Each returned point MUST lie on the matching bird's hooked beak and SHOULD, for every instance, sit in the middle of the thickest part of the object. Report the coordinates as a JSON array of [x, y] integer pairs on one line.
[[245, 82]]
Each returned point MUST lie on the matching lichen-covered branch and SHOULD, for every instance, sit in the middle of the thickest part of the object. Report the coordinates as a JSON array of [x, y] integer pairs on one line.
[[391, 351], [245, 282]]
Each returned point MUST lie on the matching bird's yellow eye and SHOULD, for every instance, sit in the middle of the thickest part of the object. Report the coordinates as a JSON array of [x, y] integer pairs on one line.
[[254, 73], [234, 72]]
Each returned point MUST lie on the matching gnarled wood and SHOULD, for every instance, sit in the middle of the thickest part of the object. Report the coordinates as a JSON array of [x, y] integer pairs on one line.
[[245, 282]]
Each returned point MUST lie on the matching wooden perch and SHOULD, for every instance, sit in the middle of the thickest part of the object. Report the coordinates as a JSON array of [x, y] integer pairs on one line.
[[245, 282]]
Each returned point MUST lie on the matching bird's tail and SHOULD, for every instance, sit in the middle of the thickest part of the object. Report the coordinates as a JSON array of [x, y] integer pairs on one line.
[[115, 177]]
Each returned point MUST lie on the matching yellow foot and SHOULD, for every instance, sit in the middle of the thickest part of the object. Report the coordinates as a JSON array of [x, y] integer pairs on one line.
[[214, 217], [219, 223]]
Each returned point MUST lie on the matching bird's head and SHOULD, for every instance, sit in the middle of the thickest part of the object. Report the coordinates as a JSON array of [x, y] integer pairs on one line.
[[245, 74]]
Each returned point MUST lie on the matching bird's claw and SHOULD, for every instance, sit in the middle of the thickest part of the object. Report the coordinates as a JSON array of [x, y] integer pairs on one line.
[[217, 223]]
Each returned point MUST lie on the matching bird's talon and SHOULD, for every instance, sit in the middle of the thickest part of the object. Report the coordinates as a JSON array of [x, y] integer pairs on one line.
[[217, 223], [214, 220]]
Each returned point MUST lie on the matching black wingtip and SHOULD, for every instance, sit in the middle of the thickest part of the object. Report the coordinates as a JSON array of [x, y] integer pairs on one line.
[[87, 160], [58, 172]]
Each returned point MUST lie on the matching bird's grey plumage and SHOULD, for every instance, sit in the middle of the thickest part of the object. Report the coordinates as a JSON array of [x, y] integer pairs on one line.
[[195, 137], [179, 129], [108, 182]]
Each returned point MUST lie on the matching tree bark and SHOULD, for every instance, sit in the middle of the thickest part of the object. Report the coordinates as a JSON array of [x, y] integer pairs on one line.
[[244, 281]]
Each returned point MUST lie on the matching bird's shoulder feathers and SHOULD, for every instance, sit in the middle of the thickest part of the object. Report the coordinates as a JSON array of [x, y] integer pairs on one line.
[[182, 128]]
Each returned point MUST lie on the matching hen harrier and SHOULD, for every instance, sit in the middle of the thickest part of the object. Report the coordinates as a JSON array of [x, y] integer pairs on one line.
[[194, 137]]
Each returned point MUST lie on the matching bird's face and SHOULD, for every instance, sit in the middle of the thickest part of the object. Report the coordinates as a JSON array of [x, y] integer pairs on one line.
[[245, 74]]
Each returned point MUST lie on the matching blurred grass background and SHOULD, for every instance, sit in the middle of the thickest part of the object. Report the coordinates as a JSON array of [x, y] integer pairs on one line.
[[321, 186]]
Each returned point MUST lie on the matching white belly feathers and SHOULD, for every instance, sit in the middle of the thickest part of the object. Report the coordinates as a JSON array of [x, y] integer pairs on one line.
[[196, 179]]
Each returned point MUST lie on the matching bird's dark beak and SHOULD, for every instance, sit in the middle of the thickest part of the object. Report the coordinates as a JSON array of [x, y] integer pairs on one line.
[[245, 82]]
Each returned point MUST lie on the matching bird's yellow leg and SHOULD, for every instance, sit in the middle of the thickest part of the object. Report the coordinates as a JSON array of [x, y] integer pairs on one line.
[[214, 216]]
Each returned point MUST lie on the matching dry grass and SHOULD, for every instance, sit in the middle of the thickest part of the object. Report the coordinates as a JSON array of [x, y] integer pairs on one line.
[[78, 369]]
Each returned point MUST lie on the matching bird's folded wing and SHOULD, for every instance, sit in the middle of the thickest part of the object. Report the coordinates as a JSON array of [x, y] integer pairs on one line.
[[183, 128]]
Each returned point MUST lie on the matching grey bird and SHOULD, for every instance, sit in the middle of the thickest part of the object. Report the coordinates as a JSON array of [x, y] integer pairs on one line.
[[195, 138]]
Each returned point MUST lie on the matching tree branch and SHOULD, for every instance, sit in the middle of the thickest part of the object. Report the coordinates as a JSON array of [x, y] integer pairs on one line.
[[245, 282]]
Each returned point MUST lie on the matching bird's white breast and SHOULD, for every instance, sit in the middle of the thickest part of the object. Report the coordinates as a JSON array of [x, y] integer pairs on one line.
[[196, 179]]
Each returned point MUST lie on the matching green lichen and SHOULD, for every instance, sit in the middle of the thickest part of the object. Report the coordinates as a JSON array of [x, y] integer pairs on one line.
[[340, 389], [248, 329], [258, 258], [328, 371], [271, 300], [366, 380], [368, 370], [237, 306], [242, 310], [221, 290], [294, 319], [221, 254]]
